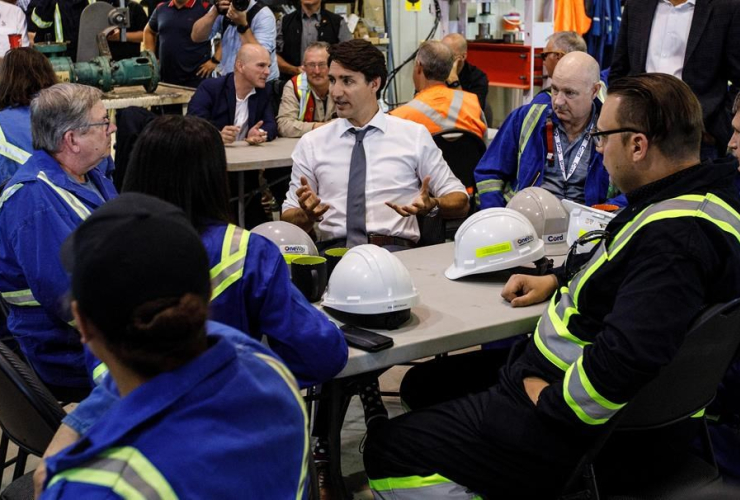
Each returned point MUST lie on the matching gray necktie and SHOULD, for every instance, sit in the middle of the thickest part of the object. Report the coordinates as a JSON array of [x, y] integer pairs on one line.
[[356, 231]]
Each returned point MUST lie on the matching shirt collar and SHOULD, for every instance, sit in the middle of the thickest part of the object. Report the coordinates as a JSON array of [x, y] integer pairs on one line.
[[683, 5], [188, 5], [317, 15], [246, 98], [589, 127], [378, 121]]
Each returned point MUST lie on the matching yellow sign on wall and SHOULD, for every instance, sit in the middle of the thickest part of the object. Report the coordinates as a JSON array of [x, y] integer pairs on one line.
[[413, 5]]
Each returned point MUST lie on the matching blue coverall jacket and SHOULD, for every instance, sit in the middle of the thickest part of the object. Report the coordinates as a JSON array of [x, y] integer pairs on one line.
[[39, 208], [15, 140], [228, 424], [517, 156]]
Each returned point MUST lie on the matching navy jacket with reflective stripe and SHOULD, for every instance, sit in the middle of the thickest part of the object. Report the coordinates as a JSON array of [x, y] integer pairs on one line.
[[636, 309]]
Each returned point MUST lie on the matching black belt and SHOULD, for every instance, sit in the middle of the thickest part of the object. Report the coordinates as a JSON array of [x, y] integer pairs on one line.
[[384, 241], [374, 239]]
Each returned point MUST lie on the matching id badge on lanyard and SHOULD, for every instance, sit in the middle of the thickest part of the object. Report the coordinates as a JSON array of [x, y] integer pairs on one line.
[[576, 160]]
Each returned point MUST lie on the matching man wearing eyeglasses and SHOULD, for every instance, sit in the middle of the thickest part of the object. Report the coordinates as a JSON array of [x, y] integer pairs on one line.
[[306, 102], [608, 330], [57, 188], [548, 144]]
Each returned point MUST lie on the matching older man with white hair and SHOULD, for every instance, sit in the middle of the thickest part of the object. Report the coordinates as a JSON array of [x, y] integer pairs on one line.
[[57, 188], [548, 144]]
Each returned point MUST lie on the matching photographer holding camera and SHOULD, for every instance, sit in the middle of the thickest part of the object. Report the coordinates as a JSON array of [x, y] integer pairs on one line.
[[238, 22]]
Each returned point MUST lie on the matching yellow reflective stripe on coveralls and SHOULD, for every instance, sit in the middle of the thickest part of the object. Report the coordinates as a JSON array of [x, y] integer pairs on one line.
[[233, 254], [290, 381], [8, 193], [303, 92], [563, 349], [20, 298], [453, 113], [124, 470], [15, 153], [99, 372], [75, 204], [413, 487]]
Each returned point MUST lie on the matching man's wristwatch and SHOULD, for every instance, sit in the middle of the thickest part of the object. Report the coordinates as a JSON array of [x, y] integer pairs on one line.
[[453, 85], [214, 60], [433, 212], [242, 29]]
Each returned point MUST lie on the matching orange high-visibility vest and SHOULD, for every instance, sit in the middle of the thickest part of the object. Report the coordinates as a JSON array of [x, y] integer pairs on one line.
[[440, 108]]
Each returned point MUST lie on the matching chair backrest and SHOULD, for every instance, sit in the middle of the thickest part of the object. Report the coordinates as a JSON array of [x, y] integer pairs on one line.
[[29, 414], [462, 150], [683, 387], [689, 382]]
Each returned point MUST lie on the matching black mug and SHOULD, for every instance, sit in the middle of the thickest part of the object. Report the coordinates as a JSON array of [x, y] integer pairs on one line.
[[333, 256], [309, 275]]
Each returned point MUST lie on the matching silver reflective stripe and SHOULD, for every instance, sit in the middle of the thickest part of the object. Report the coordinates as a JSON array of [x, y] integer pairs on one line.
[[533, 115], [8, 193], [432, 114], [20, 298], [233, 256], [71, 200], [122, 468], [11, 151], [455, 106], [58, 30], [590, 406], [38, 21]]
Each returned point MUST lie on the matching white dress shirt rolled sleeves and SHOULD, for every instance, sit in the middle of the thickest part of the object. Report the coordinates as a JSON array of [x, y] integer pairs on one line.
[[399, 153]]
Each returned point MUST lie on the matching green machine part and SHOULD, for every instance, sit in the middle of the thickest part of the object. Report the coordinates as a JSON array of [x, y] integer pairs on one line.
[[102, 72]]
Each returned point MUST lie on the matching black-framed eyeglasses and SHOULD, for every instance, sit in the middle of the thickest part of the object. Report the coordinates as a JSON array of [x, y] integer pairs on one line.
[[105, 122], [544, 55], [598, 135]]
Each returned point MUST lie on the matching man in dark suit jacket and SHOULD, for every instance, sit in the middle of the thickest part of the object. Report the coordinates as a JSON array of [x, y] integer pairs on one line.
[[238, 104], [712, 58], [240, 107]]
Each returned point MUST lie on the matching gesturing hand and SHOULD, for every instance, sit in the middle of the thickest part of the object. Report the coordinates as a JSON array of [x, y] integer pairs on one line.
[[256, 135], [310, 203], [229, 133], [421, 205]]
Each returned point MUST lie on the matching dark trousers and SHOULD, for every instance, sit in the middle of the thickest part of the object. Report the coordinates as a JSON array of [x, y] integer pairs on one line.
[[492, 442]]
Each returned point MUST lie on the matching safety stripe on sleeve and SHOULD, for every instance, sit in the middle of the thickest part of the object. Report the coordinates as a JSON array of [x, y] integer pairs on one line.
[[585, 401], [40, 22], [20, 298], [124, 470]]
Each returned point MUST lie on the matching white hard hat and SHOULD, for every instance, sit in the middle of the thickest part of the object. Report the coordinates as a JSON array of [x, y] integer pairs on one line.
[[369, 280], [583, 220], [291, 239], [546, 213], [493, 240]]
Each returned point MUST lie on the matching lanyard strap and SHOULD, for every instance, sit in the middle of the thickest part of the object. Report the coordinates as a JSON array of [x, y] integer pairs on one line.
[[576, 160]]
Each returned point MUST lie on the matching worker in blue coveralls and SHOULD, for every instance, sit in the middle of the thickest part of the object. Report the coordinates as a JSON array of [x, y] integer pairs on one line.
[[251, 289], [57, 188], [140, 291], [548, 144], [23, 72]]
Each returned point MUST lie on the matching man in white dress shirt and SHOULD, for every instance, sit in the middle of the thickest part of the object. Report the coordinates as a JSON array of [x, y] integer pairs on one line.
[[694, 40], [405, 174]]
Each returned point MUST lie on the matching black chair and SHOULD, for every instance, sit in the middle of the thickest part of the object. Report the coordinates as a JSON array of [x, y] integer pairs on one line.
[[462, 150], [29, 413], [19, 489], [683, 387]]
